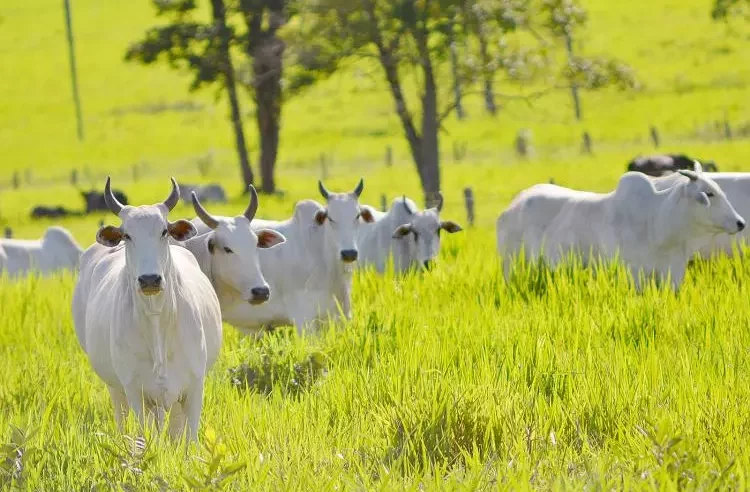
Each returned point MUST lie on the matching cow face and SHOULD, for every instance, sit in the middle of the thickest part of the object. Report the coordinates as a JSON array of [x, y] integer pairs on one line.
[[421, 234], [145, 232], [234, 245], [712, 209], [341, 219]]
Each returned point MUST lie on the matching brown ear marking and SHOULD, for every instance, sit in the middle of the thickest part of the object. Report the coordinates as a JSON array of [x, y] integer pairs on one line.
[[181, 230], [450, 226], [366, 215], [109, 236], [321, 216], [268, 238], [401, 231]]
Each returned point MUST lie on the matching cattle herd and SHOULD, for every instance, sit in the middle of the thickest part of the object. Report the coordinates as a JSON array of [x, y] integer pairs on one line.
[[151, 294]]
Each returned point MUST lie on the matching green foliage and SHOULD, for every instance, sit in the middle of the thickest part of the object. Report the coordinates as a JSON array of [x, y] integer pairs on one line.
[[597, 73], [215, 470], [14, 454], [727, 9]]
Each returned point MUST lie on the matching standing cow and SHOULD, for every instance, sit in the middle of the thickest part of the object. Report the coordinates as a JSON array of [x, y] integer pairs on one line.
[[95, 200], [146, 316], [410, 236], [651, 230], [664, 164], [56, 250], [228, 254], [310, 275]]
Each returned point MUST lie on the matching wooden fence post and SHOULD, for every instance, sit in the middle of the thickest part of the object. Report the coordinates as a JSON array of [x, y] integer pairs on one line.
[[383, 203], [388, 156], [323, 167], [135, 172], [16, 180], [8, 233], [469, 201], [101, 222], [586, 147], [727, 130], [27, 176], [655, 136], [74, 177]]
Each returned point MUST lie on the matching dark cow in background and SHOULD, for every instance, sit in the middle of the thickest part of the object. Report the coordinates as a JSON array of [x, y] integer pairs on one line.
[[95, 200], [663, 164], [52, 212]]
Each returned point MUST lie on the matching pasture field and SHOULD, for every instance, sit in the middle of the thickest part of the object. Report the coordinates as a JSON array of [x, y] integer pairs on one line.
[[448, 380]]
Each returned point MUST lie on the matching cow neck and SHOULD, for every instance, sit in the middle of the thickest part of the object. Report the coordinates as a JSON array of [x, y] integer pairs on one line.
[[672, 219]]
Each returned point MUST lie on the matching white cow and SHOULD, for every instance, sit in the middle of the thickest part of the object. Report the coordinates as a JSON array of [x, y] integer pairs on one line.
[[652, 230], [310, 275], [146, 316], [56, 250], [227, 253], [410, 236], [736, 186]]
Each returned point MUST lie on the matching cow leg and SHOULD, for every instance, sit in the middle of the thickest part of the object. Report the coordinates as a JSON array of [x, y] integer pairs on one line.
[[177, 419], [193, 406], [678, 275], [120, 405], [134, 395]]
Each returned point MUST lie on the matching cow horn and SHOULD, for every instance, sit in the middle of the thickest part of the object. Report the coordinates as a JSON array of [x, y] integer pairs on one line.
[[406, 205], [359, 188], [253, 206], [205, 217], [697, 167], [173, 197], [323, 190], [690, 174], [112, 203], [439, 205]]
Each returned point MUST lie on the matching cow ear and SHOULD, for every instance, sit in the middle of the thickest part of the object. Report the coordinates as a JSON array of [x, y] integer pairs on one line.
[[268, 238], [109, 236], [450, 226], [320, 216], [182, 230], [702, 198], [366, 215], [401, 231]]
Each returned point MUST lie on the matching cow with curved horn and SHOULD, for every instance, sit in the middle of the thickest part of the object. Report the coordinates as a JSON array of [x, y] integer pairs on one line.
[[310, 275], [410, 236], [146, 316], [227, 250]]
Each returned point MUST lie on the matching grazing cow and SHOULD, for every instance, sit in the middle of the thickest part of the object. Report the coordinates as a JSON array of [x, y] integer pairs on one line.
[[146, 316], [206, 193], [56, 250], [44, 211], [410, 236], [228, 255], [736, 186], [652, 230], [95, 200], [310, 275], [663, 164]]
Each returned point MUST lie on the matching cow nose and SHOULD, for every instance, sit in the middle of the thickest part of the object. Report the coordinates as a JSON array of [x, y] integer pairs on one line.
[[427, 264], [349, 255], [740, 225], [149, 282], [260, 294]]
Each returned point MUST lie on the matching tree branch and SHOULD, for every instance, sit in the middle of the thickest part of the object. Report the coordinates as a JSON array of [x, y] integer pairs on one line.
[[528, 98]]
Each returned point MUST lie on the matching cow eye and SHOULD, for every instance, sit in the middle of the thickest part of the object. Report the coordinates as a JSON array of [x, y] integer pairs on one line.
[[357, 217], [227, 250], [126, 237], [164, 233], [710, 194]]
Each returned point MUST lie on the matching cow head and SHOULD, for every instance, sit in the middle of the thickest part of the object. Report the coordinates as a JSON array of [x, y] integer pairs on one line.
[[340, 220], [711, 208], [421, 233], [145, 232], [233, 245]]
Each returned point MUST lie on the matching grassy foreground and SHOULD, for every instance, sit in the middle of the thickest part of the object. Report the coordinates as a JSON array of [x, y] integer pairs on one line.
[[448, 380]]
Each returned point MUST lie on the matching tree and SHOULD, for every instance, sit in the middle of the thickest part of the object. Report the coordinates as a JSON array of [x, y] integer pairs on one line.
[[203, 48], [562, 18], [400, 35], [726, 9]]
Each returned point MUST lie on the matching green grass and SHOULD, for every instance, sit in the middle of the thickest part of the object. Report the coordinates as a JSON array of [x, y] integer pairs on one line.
[[447, 380]]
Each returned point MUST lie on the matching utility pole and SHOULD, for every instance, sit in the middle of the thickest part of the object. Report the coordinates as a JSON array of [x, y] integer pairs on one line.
[[73, 72]]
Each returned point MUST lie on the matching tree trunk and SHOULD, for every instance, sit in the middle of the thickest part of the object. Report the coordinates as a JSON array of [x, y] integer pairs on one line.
[[267, 70], [219, 16], [430, 160], [573, 87], [456, 77], [488, 74]]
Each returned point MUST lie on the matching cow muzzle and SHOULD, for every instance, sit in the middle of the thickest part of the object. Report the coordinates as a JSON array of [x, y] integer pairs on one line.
[[150, 284], [349, 255], [259, 295]]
